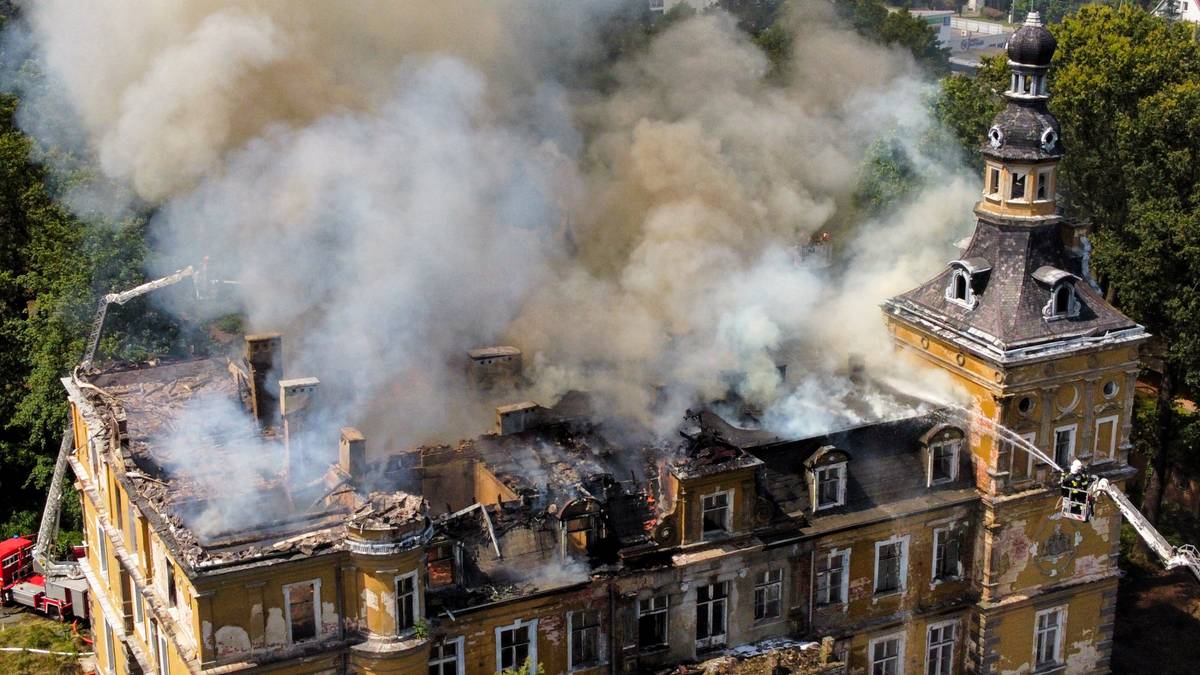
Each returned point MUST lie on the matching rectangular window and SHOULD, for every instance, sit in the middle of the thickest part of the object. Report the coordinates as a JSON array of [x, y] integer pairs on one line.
[[302, 607], [110, 649], [407, 606], [585, 638], [832, 580], [1043, 185], [831, 486], [652, 622], [943, 462], [1106, 439], [945, 553], [939, 654], [139, 611], [515, 646], [886, 655], [1064, 446], [446, 658], [768, 595], [1022, 461], [715, 514], [993, 181], [890, 559], [1017, 191], [170, 580], [710, 614], [133, 527], [440, 564], [1048, 637], [101, 551], [164, 655]]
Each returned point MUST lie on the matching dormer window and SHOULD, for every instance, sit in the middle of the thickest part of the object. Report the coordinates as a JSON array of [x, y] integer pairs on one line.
[[827, 477], [943, 454], [1063, 302], [966, 278]]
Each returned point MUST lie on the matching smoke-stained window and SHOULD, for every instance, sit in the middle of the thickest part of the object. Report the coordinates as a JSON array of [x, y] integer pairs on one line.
[[440, 564], [768, 594], [652, 622], [710, 614], [891, 557], [716, 513], [407, 602], [1064, 445], [1048, 636], [302, 607], [830, 486], [945, 553], [943, 461], [832, 581], [887, 653], [515, 645], [585, 638]]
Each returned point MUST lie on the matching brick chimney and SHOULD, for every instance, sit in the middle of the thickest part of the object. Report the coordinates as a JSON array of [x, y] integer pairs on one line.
[[352, 452], [297, 404], [264, 357]]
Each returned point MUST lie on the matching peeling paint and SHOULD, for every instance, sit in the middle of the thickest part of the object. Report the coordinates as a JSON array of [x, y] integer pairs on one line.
[[232, 641], [329, 618], [276, 629], [206, 634]]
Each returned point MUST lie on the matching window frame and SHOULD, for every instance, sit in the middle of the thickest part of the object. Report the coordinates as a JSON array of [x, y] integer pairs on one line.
[[1111, 453], [940, 535], [902, 570], [287, 609], [843, 585], [942, 626], [110, 647], [655, 611], [840, 467], [956, 444], [872, 662], [458, 661], [1042, 192], [531, 627], [713, 640], [1073, 428], [763, 584], [993, 187], [727, 528], [102, 550], [164, 651], [599, 657], [1060, 612], [416, 601], [1013, 176]]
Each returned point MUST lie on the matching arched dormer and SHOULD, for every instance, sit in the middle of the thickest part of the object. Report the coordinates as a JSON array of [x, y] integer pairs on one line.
[[942, 449], [827, 474], [967, 278], [1063, 302]]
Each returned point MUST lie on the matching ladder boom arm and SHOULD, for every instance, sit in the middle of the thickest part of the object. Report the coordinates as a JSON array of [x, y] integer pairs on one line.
[[1182, 556], [122, 298]]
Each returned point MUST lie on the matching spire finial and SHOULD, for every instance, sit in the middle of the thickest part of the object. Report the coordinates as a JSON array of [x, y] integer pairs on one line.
[[1033, 19]]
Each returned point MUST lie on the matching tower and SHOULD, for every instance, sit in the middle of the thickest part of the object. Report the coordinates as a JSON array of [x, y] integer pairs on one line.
[[1018, 323]]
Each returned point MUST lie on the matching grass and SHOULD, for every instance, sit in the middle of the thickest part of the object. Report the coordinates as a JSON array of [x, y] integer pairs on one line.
[[39, 633]]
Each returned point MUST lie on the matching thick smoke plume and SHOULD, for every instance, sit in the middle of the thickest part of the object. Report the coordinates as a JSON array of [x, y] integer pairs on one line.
[[394, 183]]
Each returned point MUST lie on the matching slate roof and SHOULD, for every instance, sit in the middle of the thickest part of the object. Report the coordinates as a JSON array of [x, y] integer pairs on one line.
[[1032, 44], [1023, 124], [1009, 300]]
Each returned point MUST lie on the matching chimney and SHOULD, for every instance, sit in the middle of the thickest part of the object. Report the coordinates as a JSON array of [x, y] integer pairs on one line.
[[491, 367], [352, 452], [515, 418], [264, 357], [297, 400]]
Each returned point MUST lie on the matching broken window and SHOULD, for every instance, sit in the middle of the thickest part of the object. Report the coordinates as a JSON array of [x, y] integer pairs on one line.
[[585, 638], [1064, 445], [831, 577], [710, 614], [406, 602], [945, 553], [444, 657], [831, 485], [439, 562], [939, 656], [943, 461], [514, 646], [1017, 191], [1043, 185], [715, 514], [1048, 633], [993, 187], [301, 610], [889, 566], [885, 655], [652, 622], [768, 594], [170, 580]]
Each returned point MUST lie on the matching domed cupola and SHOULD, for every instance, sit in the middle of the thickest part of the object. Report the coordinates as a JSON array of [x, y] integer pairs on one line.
[[1024, 144]]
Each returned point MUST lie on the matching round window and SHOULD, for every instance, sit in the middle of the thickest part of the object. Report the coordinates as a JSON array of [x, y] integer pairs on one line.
[[1025, 405], [995, 137], [1110, 388]]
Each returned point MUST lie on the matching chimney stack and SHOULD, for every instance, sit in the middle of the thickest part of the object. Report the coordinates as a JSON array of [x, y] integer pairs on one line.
[[264, 357], [352, 453], [493, 367], [297, 399], [515, 418]]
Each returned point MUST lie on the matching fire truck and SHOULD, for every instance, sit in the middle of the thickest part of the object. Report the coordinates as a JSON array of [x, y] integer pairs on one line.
[[59, 597]]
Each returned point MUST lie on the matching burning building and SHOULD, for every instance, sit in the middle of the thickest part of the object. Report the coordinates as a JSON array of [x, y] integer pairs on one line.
[[913, 542]]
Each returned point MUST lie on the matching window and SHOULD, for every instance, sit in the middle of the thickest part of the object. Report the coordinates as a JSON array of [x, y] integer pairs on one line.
[[584, 649], [939, 649], [710, 614], [1022, 460], [302, 608], [943, 462], [831, 486], [1048, 637], [133, 528], [446, 658], [1017, 186], [110, 650], [715, 516], [652, 622], [439, 562], [832, 580], [1062, 300], [945, 553], [170, 581], [1043, 185], [101, 551], [1064, 446], [408, 607], [515, 645], [135, 599], [993, 186], [164, 656], [961, 286], [891, 558], [1106, 439], [887, 653], [768, 595]]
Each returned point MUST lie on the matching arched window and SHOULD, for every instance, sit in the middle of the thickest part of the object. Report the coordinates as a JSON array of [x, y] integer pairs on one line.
[[960, 286], [1062, 300], [967, 278]]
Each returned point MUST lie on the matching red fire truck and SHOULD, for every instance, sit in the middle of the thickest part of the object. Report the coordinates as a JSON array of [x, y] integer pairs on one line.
[[58, 597]]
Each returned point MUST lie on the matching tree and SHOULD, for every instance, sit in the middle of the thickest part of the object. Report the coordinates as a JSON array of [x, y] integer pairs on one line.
[[900, 28], [965, 106]]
